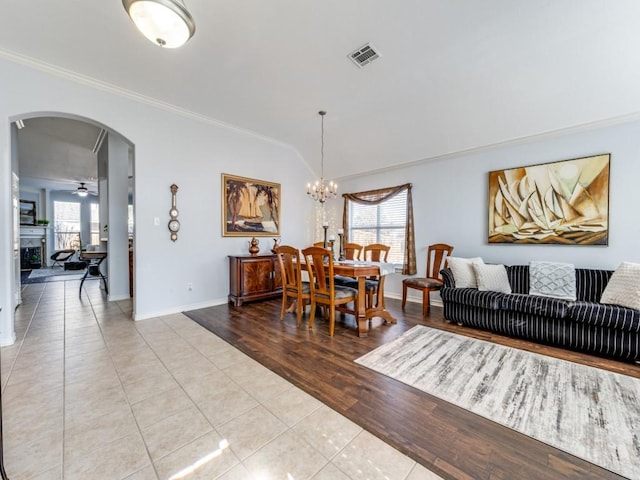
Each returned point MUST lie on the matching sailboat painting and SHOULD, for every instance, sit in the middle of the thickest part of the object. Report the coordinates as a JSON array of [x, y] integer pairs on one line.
[[565, 203], [250, 207]]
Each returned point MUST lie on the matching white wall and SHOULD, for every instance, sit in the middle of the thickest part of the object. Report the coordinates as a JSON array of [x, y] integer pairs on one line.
[[170, 147], [450, 198]]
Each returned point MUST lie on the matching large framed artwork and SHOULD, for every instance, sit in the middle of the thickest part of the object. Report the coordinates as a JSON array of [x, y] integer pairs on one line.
[[27, 212], [250, 207], [564, 203]]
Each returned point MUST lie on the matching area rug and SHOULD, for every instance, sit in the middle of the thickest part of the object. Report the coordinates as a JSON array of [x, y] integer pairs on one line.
[[587, 412], [53, 272]]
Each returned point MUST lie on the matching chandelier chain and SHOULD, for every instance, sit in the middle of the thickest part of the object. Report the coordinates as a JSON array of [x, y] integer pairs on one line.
[[322, 191]]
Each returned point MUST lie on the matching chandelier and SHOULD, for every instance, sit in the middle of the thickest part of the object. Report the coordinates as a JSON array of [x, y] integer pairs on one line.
[[322, 191], [166, 23]]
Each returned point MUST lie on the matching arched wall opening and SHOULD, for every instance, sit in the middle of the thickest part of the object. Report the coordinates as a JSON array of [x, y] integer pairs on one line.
[[114, 166]]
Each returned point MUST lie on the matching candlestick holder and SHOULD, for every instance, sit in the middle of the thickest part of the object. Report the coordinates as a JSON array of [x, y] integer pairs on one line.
[[341, 256], [333, 255], [325, 227]]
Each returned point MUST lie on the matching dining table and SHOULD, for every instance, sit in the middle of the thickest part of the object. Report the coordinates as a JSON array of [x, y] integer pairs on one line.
[[363, 270]]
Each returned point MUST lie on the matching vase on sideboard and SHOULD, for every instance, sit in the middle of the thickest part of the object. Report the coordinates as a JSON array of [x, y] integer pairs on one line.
[[253, 246]]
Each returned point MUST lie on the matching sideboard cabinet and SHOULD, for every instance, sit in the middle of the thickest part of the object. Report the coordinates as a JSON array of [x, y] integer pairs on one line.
[[253, 277]]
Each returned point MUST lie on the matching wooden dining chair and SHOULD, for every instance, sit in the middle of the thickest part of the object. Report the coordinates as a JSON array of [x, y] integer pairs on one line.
[[376, 252], [352, 251], [293, 287], [324, 291], [436, 258], [320, 244]]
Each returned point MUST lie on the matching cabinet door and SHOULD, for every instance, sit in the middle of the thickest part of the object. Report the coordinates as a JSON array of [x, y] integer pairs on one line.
[[256, 276], [277, 276]]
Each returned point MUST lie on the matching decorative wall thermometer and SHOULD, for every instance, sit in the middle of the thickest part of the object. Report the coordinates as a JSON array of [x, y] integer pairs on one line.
[[174, 224]]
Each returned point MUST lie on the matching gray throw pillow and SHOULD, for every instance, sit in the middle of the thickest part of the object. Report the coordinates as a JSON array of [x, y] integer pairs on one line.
[[552, 279]]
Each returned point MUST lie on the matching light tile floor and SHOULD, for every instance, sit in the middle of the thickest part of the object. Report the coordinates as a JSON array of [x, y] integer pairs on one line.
[[90, 394]]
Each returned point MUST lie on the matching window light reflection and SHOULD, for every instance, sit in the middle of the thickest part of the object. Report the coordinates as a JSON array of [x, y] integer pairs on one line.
[[222, 445]]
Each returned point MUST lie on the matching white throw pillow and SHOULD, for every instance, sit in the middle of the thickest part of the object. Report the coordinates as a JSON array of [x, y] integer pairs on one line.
[[552, 279], [462, 269], [492, 278], [624, 286]]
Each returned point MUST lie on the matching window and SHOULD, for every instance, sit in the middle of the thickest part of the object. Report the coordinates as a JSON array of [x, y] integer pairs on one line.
[[95, 224], [66, 225], [130, 220], [382, 223]]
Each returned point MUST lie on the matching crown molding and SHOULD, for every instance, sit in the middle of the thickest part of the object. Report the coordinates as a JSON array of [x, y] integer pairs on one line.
[[131, 95], [582, 127]]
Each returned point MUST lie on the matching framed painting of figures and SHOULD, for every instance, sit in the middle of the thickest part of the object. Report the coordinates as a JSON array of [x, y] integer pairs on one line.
[[562, 203]]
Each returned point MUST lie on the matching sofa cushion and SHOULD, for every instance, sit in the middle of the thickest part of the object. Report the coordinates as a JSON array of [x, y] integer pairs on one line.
[[472, 297], [492, 278], [609, 316], [624, 286], [552, 279], [369, 285], [462, 269], [590, 283], [536, 305], [518, 278]]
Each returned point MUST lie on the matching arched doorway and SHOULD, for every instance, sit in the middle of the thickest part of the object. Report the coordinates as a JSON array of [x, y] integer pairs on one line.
[[54, 157]]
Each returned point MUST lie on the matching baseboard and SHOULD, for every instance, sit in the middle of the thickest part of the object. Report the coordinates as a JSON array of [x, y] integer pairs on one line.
[[436, 302], [113, 298], [180, 309], [8, 339]]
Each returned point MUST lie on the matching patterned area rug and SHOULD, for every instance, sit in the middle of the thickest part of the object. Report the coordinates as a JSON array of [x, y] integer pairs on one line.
[[587, 412], [53, 272], [43, 275]]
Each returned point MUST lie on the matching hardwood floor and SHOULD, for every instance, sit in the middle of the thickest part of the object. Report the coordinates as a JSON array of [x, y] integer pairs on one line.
[[448, 440]]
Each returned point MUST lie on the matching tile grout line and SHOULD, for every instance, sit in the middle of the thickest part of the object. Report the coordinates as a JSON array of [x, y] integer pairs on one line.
[[64, 376], [195, 404], [106, 343], [15, 359], [289, 428]]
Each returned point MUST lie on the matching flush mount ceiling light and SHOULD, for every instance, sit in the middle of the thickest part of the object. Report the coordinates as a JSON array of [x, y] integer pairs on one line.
[[167, 23]]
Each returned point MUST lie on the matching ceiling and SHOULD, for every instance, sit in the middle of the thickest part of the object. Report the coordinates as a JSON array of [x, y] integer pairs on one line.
[[453, 75], [58, 153]]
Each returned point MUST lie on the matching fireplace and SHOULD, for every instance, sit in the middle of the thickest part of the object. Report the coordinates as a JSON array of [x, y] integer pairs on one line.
[[33, 247], [30, 258]]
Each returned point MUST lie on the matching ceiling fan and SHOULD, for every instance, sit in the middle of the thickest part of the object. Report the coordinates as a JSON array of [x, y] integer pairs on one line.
[[83, 191]]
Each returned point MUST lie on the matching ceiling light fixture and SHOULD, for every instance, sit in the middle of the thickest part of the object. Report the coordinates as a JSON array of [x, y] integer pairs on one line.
[[82, 190], [167, 23], [321, 191], [19, 124]]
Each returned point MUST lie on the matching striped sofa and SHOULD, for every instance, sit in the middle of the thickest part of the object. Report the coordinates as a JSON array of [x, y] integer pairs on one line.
[[584, 324]]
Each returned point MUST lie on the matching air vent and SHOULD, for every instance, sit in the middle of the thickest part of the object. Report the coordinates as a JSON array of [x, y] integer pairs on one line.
[[364, 55]]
